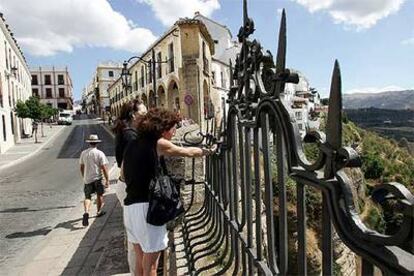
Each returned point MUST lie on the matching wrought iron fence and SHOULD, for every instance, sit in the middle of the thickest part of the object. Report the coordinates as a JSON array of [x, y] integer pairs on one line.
[[242, 226]]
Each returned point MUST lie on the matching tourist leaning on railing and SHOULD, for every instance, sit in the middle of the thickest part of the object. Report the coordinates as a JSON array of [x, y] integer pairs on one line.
[[155, 129]]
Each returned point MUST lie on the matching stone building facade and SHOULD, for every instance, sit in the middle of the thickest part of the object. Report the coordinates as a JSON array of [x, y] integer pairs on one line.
[[96, 95], [183, 79], [14, 86], [225, 50], [53, 86]]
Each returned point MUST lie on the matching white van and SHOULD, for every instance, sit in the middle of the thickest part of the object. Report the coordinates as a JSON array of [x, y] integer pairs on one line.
[[65, 118]]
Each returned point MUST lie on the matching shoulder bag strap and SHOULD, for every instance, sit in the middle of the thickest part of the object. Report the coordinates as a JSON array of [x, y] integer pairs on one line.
[[163, 165]]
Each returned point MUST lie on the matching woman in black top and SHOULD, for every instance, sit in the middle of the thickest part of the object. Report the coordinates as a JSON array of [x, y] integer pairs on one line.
[[155, 129], [124, 129]]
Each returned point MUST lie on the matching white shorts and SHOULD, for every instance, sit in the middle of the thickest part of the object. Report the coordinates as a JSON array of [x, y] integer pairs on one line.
[[151, 238]]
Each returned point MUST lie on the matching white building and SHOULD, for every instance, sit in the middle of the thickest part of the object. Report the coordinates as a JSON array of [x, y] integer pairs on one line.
[[53, 86], [14, 86], [96, 93], [302, 101]]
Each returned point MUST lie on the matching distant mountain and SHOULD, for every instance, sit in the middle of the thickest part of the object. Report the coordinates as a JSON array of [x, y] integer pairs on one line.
[[384, 100]]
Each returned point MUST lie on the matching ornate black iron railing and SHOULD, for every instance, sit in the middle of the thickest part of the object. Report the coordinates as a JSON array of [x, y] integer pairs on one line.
[[243, 221]]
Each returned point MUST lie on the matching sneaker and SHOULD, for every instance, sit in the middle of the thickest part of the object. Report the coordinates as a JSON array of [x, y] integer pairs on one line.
[[85, 220]]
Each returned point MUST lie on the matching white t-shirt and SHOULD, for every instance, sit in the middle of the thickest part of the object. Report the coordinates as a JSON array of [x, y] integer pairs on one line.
[[93, 159]]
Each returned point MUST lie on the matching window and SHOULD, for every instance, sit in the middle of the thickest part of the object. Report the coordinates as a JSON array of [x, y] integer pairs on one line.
[[3, 119], [48, 80], [149, 71], [136, 81], [10, 59], [223, 79], [300, 126], [159, 65], [1, 92], [12, 95], [142, 77], [12, 122], [61, 80], [205, 61], [34, 80], [171, 55], [48, 92], [18, 71], [35, 92], [298, 115], [61, 92], [111, 74], [5, 54], [213, 77]]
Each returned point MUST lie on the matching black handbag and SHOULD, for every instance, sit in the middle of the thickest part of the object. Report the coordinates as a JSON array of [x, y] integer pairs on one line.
[[164, 198]]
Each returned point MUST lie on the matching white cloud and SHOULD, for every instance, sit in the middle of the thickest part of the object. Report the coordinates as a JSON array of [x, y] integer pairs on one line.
[[360, 14], [45, 27], [169, 11], [376, 89], [409, 41]]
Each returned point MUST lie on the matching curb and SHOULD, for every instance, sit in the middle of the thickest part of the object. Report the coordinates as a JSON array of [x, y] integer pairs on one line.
[[23, 158]]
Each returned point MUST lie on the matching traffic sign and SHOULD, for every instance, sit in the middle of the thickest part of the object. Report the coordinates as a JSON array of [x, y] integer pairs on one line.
[[188, 99]]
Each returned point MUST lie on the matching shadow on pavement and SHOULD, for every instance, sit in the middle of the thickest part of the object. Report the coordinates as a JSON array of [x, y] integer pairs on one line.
[[101, 250], [25, 209], [70, 224], [40, 232]]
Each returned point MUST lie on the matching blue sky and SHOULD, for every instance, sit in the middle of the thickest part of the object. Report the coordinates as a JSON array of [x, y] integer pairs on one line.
[[372, 39]]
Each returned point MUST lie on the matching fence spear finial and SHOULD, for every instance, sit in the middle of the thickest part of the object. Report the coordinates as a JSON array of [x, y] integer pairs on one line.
[[334, 122], [281, 49], [281, 54], [245, 15]]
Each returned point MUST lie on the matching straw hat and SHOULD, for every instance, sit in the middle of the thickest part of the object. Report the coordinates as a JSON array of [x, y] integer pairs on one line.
[[93, 138]]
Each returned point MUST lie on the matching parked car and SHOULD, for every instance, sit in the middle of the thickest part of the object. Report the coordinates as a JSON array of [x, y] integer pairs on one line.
[[65, 118]]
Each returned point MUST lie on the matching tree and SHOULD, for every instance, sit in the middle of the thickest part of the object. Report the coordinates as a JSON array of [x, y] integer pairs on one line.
[[21, 109], [31, 109], [372, 166], [35, 108]]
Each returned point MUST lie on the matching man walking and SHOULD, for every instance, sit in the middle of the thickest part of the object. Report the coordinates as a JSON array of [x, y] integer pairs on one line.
[[93, 163]]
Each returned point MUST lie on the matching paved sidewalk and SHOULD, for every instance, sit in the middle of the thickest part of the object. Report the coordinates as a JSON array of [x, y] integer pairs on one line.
[[26, 148], [71, 249]]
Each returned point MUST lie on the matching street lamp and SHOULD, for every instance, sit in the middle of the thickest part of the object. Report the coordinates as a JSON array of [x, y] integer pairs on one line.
[[126, 75]]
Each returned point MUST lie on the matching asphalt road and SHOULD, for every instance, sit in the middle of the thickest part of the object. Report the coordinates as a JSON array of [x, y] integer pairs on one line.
[[38, 194]]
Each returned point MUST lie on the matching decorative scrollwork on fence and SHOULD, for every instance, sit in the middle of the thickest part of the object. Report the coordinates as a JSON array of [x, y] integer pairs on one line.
[[244, 220]]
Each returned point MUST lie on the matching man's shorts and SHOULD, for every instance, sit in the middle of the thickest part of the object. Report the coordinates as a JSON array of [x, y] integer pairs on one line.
[[94, 187]]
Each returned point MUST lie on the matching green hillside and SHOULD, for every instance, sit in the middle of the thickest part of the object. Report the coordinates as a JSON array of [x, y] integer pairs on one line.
[[383, 160]]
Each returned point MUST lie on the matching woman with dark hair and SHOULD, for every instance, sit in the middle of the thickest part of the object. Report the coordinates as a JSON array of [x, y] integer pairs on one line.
[[124, 128], [141, 158], [125, 132]]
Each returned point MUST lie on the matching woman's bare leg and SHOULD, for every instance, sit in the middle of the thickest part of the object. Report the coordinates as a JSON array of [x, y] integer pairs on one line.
[[138, 260], [150, 263]]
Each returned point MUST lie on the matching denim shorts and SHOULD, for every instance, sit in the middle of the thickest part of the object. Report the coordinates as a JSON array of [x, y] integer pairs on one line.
[[94, 187]]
